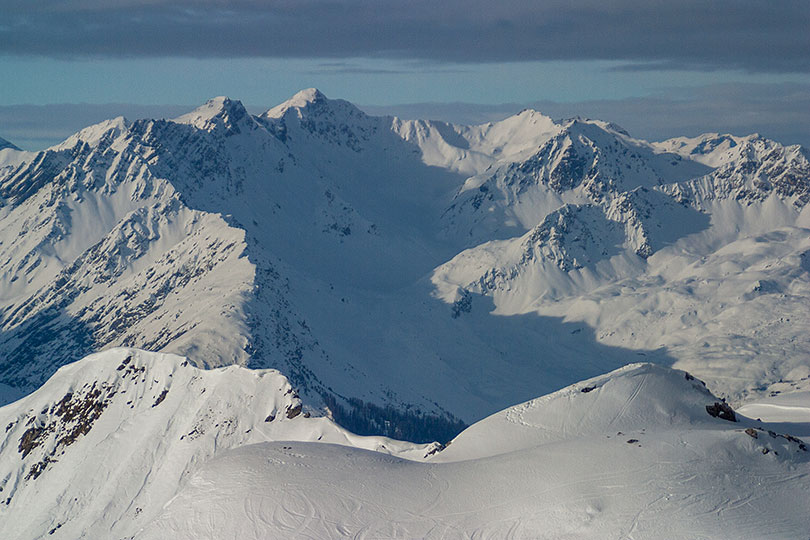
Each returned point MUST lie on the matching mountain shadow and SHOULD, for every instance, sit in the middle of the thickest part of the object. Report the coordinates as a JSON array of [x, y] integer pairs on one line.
[[33, 351]]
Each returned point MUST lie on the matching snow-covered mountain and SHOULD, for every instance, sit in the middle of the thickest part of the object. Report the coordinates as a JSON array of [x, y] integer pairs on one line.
[[635, 453], [99, 449], [410, 276], [130, 444]]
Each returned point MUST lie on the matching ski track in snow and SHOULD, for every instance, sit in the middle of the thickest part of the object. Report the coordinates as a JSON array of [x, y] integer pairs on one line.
[[563, 465], [687, 476]]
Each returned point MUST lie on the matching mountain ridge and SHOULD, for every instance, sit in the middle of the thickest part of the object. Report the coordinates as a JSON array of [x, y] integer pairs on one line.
[[539, 470], [143, 421], [461, 250]]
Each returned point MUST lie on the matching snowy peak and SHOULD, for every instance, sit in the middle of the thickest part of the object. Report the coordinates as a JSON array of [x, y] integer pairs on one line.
[[475, 149], [249, 249], [598, 157], [748, 169], [219, 112], [714, 149], [573, 237], [311, 105], [719, 150], [601, 152], [569, 242], [636, 397], [303, 99], [511, 136], [310, 116], [98, 135], [82, 399], [580, 162], [142, 422], [306, 102]]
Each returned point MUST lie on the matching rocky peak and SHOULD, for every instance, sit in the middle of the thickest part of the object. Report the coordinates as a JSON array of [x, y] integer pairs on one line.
[[219, 112], [335, 121], [304, 102]]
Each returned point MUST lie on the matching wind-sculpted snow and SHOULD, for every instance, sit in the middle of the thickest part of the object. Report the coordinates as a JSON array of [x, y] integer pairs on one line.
[[100, 448], [130, 444], [634, 453], [631, 398], [405, 271]]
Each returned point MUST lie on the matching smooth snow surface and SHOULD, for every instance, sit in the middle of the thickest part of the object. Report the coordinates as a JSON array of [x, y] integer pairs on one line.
[[632, 454], [792, 410]]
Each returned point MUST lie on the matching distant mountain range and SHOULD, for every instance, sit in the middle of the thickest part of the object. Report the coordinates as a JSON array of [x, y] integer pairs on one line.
[[409, 276]]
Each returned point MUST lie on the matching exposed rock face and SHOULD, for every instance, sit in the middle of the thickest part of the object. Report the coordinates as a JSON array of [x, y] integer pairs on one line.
[[136, 424], [721, 410]]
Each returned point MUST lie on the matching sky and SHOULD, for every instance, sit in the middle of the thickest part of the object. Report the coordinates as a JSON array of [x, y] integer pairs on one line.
[[659, 68]]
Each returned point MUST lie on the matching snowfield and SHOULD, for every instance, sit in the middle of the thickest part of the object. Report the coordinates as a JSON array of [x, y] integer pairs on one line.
[[129, 444]]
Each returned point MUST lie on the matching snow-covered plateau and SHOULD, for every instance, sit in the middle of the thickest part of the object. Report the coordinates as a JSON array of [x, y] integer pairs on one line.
[[318, 285]]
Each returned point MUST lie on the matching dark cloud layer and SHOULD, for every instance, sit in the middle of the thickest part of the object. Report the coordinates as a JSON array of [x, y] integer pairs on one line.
[[696, 34], [777, 111]]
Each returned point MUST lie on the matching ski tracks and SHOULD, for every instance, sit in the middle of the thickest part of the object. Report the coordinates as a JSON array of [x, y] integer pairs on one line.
[[630, 399]]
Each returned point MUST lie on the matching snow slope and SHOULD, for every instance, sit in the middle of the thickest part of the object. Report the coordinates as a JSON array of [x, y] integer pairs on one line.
[[406, 273], [631, 454], [99, 449]]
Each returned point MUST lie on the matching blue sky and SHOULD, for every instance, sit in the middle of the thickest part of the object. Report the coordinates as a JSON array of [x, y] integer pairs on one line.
[[650, 65], [268, 81]]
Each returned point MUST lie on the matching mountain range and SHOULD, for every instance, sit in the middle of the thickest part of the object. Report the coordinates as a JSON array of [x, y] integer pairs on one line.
[[406, 274], [230, 326]]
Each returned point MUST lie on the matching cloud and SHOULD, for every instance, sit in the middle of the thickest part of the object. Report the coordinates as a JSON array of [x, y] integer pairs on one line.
[[655, 34], [356, 68]]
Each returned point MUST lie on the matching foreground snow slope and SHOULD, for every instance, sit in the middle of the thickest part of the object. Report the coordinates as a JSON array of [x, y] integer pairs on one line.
[[107, 441], [632, 454]]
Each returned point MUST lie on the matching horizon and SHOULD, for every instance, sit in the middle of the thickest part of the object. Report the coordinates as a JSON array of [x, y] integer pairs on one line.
[[37, 127], [659, 70]]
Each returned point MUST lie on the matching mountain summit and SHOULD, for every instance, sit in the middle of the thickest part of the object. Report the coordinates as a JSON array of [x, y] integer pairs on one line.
[[407, 277], [301, 100], [219, 111]]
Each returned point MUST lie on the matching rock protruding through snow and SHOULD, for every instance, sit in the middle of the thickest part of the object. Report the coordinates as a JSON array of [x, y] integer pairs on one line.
[[107, 441]]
